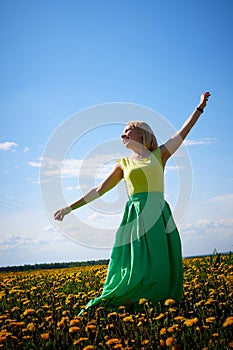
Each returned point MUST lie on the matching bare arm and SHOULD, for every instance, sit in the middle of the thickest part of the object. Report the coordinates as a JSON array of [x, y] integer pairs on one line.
[[169, 147], [111, 181]]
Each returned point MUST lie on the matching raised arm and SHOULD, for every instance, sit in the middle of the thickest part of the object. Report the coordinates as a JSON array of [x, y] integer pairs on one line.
[[111, 181], [169, 147]]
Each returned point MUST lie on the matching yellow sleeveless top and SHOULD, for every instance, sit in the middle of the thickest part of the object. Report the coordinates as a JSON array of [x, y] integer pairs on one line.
[[143, 175]]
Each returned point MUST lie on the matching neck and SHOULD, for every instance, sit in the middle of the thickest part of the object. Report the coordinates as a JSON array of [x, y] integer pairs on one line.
[[142, 153]]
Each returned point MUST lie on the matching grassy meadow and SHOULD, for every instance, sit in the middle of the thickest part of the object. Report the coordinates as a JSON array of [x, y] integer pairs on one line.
[[39, 310]]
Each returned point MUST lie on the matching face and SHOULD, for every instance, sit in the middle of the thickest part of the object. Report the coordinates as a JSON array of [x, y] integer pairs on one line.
[[130, 137]]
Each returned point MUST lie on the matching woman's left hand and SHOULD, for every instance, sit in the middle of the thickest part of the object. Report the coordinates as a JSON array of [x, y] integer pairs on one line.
[[203, 100]]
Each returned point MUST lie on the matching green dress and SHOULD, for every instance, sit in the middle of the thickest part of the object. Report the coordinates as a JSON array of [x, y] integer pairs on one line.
[[146, 259]]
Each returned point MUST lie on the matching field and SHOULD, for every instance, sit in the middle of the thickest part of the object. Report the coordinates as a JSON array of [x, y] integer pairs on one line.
[[39, 310]]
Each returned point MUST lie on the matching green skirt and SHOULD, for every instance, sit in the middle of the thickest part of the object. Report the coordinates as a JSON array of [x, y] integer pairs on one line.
[[146, 260]]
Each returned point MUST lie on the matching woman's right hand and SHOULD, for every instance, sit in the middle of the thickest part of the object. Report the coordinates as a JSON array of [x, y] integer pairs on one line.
[[59, 215]]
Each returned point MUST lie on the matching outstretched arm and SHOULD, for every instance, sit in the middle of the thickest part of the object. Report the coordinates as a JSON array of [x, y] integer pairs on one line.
[[168, 148], [112, 180]]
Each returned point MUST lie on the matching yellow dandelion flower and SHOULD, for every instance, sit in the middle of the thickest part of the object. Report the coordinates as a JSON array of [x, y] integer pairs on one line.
[[74, 329], [191, 322], [169, 341], [169, 302], [27, 337], [112, 341], [179, 318], [121, 307], [163, 331], [161, 342], [228, 322], [118, 346], [230, 344], [15, 324], [88, 347], [199, 303], [210, 319], [172, 309], [90, 328], [80, 340], [31, 327], [209, 301], [2, 339], [28, 312], [74, 322], [159, 317], [172, 328], [142, 301], [145, 342], [128, 319], [45, 336]]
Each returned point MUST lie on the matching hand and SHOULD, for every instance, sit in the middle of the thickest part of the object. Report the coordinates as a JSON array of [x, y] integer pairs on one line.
[[203, 100], [59, 215]]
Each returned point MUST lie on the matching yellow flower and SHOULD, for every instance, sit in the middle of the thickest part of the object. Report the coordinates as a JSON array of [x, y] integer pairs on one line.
[[28, 312], [88, 347], [15, 324], [31, 327], [169, 302], [172, 328], [191, 322], [45, 336], [210, 319], [74, 329], [179, 318], [90, 328], [161, 342], [128, 319], [112, 341], [169, 341], [80, 340], [159, 317], [74, 322], [162, 331], [209, 301], [142, 301], [228, 322]]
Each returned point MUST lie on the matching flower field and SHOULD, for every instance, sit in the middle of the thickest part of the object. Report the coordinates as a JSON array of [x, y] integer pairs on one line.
[[39, 310]]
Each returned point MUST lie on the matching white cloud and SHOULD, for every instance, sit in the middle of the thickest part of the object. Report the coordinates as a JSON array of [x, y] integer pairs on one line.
[[7, 146], [78, 187], [226, 198], [204, 141], [98, 166], [26, 149], [35, 164], [204, 236]]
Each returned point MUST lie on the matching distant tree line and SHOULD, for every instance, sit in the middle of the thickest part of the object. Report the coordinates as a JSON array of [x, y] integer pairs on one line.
[[50, 266]]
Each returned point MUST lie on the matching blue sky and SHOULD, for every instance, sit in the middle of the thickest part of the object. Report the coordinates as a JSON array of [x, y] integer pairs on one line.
[[62, 57]]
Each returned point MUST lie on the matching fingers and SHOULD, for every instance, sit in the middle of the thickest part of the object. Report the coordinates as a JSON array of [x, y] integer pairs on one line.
[[206, 95], [59, 215]]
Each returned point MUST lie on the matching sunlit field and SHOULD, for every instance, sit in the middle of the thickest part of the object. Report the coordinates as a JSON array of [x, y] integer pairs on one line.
[[39, 310]]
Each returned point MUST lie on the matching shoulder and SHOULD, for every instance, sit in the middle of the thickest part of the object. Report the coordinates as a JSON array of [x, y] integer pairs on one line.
[[161, 154]]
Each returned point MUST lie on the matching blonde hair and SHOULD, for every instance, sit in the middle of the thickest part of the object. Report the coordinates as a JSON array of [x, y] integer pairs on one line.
[[148, 137]]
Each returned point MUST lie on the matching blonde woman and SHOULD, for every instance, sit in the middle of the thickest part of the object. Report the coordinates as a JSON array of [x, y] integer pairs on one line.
[[146, 259]]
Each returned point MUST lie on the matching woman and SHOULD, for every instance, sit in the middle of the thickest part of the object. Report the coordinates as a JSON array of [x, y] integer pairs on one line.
[[146, 260]]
